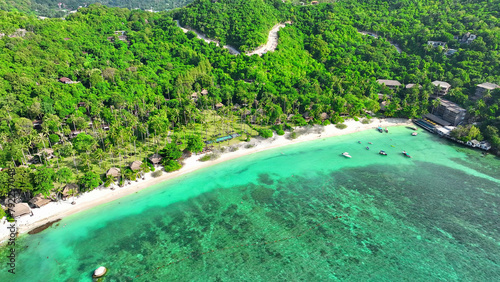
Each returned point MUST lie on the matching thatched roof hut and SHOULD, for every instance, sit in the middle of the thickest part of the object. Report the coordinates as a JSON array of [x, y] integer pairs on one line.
[[324, 116], [136, 165], [155, 159], [114, 171], [39, 201], [204, 92], [194, 96], [20, 210], [68, 187]]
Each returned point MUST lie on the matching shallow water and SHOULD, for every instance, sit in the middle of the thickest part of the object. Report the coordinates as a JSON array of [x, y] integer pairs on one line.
[[301, 212]]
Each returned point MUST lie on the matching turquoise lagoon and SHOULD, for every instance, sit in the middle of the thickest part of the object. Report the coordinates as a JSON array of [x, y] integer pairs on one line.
[[296, 213]]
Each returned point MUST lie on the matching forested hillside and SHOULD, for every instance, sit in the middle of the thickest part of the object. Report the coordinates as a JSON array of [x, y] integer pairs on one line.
[[240, 23], [107, 85], [51, 8]]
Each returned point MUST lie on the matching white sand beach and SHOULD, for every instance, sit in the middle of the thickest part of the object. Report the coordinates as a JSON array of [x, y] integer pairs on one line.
[[101, 195]]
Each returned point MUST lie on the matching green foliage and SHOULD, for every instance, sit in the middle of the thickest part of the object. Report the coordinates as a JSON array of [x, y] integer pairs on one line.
[[157, 173], [83, 142], [171, 152], [195, 144], [171, 165], [341, 126], [43, 181], [89, 181], [54, 138], [279, 129], [266, 133], [232, 21], [466, 133], [2, 213]]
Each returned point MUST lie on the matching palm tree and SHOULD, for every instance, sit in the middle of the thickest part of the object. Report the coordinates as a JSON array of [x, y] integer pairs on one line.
[[435, 104]]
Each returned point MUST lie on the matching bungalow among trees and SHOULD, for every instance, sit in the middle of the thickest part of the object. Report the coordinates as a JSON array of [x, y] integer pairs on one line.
[[67, 190], [114, 171], [155, 159], [39, 201], [135, 166], [20, 209]]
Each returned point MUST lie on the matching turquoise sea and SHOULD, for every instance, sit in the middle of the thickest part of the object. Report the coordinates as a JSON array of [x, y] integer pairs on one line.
[[296, 213]]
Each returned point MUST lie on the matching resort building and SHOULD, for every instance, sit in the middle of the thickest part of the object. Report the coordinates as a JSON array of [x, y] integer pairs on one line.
[[69, 187], [135, 166], [450, 52], [219, 105], [435, 44], [451, 112], [194, 96], [467, 38], [20, 209], [484, 145], [392, 84], [66, 80], [114, 171], [204, 92], [442, 88], [483, 88], [411, 85], [39, 201], [155, 159], [473, 143]]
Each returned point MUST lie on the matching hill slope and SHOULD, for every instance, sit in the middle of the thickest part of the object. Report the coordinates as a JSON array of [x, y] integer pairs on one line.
[[241, 23]]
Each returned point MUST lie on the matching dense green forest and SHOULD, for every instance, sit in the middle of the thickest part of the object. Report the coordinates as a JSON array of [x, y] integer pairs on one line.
[[51, 8], [142, 86], [240, 23]]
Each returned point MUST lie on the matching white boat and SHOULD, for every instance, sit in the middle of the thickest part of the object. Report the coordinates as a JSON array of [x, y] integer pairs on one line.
[[414, 134], [346, 154]]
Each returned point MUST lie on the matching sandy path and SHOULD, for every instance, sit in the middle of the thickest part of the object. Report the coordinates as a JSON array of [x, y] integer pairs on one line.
[[376, 36], [101, 195], [272, 40]]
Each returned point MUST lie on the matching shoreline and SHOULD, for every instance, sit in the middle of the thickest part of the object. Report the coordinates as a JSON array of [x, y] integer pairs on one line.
[[58, 210]]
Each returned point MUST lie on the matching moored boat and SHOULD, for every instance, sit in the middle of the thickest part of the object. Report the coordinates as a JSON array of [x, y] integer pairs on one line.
[[406, 154], [368, 148], [414, 134], [386, 130], [382, 152], [380, 129], [99, 272], [346, 154]]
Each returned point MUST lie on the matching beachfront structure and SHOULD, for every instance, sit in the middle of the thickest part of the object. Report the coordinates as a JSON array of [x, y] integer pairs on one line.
[[155, 159], [136, 165], [66, 191], [20, 209], [392, 84], [442, 88], [451, 112], [204, 92], [219, 105], [484, 145], [39, 201], [114, 171], [483, 88]]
